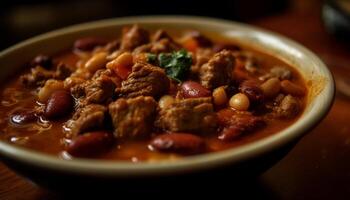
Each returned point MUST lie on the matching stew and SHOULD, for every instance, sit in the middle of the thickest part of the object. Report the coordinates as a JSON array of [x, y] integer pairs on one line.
[[149, 96]]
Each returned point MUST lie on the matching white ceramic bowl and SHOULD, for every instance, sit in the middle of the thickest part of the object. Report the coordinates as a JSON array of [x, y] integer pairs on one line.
[[318, 77]]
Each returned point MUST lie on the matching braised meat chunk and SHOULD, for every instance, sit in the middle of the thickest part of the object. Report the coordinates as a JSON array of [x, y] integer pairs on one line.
[[188, 115], [218, 70], [99, 89], [39, 75], [133, 37], [145, 80], [201, 57], [133, 117], [160, 46], [90, 117], [288, 107]]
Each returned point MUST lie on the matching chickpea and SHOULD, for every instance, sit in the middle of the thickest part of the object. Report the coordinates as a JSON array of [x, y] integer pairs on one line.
[[239, 101], [271, 87], [165, 101], [292, 88], [96, 62], [219, 96]]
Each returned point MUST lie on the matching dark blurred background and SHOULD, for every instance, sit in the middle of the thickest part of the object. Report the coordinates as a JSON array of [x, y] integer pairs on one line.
[[23, 19]]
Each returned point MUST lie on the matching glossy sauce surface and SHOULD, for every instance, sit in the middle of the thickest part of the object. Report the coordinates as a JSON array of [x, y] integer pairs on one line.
[[49, 137]]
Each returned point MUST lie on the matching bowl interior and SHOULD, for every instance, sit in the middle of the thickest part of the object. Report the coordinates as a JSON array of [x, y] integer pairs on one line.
[[318, 77]]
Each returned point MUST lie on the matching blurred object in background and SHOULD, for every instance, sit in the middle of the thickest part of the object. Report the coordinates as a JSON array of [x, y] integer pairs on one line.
[[23, 19], [336, 16]]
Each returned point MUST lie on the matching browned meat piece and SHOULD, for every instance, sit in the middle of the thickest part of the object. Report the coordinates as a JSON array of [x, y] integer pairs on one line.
[[108, 73], [90, 117], [134, 37], [160, 34], [202, 56], [99, 89], [237, 123], [164, 45], [280, 72], [288, 107], [133, 117], [188, 115], [218, 71], [145, 80], [39, 75], [161, 46], [62, 71]]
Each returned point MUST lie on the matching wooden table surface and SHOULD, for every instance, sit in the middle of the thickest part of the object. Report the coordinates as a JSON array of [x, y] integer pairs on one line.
[[319, 165]]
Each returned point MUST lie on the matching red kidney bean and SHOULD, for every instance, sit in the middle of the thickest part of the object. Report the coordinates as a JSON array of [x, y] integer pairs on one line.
[[23, 117], [183, 143], [191, 89], [230, 133], [59, 104], [237, 123], [252, 90], [89, 43], [42, 60], [90, 144]]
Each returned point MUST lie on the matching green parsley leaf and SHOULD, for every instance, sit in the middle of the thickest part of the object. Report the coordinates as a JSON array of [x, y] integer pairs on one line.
[[176, 64]]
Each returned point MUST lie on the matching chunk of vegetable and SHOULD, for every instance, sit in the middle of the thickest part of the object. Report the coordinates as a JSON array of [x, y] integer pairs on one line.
[[122, 65], [191, 44]]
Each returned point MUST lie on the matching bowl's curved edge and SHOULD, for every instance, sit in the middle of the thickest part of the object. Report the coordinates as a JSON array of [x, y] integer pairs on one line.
[[83, 166]]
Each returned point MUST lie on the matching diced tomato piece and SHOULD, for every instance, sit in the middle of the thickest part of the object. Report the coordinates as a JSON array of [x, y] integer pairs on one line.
[[122, 71], [191, 44]]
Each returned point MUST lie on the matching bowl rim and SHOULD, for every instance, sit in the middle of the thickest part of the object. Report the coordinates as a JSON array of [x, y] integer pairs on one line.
[[187, 164]]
